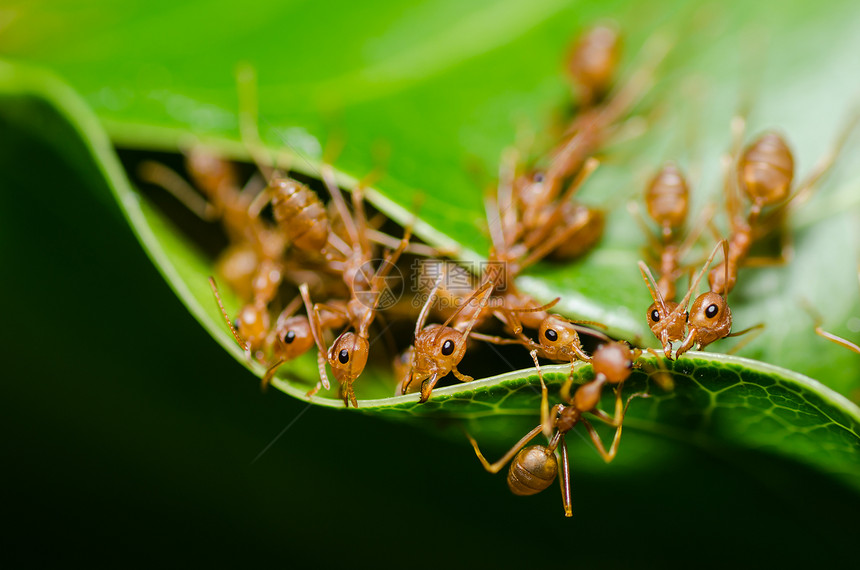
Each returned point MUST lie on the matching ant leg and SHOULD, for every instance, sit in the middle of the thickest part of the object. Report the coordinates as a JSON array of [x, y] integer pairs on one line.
[[505, 203], [510, 320], [564, 480], [620, 410], [330, 181], [494, 223], [662, 377], [837, 339], [758, 328], [460, 376], [607, 456], [246, 346], [270, 373], [653, 243], [316, 332], [509, 316], [545, 416], [313, 391], [246, 84], [499, 340], [564, 391], [818, 320], [319, 307], [805, 188], [159, 175], [391, 242], [497, 466], [617, 421], [259, 202], [254, 187]]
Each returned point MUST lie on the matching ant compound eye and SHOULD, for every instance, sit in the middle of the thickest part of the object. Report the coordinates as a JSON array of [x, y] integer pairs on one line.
[[712, 310], [551, 335], [343, 356], [538, 177], [289, 337], [448, 348], [655, 316], [236, 324]]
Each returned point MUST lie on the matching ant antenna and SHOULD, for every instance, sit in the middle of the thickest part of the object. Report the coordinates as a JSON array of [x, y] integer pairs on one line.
[[236, 335], [682, 306]]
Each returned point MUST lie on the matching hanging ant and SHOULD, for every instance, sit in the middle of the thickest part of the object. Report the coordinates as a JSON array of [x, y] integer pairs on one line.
[[535, 467]]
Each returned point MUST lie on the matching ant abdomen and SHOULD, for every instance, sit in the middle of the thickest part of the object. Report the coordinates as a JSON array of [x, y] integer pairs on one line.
[[300, 214], [766, 169], [533, 470], [593, 60], [667, 198], [591, 223]]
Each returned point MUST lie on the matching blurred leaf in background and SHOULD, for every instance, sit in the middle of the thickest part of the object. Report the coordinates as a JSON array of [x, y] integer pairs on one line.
[[129, 431]]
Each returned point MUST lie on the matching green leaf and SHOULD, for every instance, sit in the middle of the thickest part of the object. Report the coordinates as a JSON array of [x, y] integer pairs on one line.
[[446, 85], [456, 93]]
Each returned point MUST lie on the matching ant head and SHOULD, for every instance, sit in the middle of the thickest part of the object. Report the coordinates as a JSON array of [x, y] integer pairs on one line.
[[710, 318], [348, 356], [557, 335], [766, 169], [530, 188], [438, 349], [667, 198], [293, 338], [252, 324], [614, 361], [676, 326]]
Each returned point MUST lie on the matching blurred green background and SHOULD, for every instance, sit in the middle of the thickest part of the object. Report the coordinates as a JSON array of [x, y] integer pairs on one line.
[[130, 436]]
